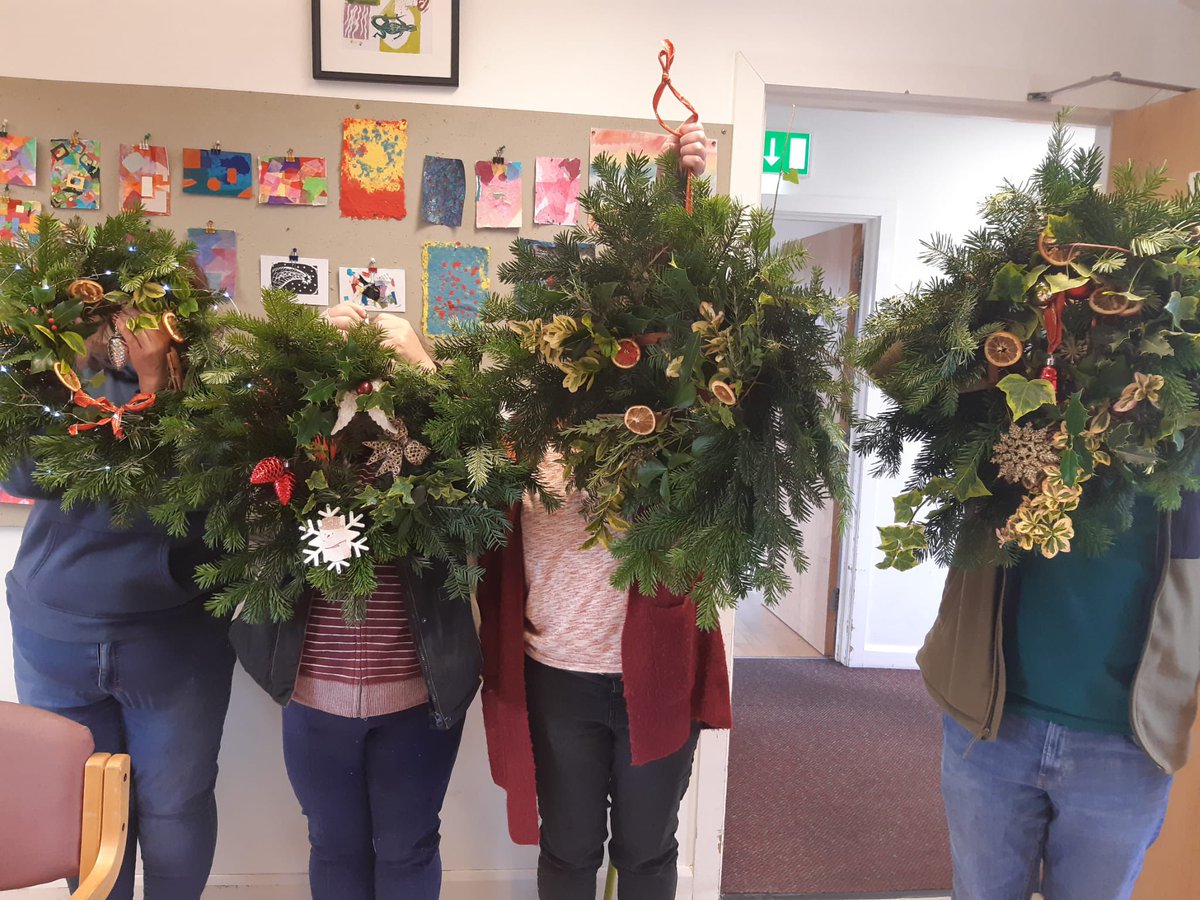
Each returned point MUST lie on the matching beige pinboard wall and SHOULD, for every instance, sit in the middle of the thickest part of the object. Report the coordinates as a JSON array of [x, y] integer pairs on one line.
[[1168, 131], [271, 124]]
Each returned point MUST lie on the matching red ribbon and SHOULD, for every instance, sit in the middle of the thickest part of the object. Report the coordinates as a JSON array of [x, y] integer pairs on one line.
[[666, 57], [114, 413], [1054, 328]]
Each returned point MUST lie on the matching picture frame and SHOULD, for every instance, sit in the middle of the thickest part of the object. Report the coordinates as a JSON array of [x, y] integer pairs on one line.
[[388, 41]]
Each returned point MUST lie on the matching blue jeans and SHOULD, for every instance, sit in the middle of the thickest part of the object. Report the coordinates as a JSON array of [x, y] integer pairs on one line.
[[1073, 810], [372, 790], [162, 700]]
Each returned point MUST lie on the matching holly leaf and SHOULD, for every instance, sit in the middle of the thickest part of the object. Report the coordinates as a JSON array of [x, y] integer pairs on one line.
[[1024, 396], [322, 390], [1068, 467], [1076, 415], [1009, 285], [311, 421], [1182, 309]]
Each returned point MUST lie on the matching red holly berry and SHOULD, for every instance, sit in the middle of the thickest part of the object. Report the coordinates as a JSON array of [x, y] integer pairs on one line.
[[51, 320], [54, 328], [364, 388]]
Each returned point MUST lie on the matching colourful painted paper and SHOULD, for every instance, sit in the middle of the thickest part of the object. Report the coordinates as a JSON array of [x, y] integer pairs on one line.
[[443, 190], [74, 174], [216, 254], [373, 169], [389, 26], [221, 173], [556, 190], [497, 194], [18, 217], [6, 497], [307, 278], [18, 160], [620, 145], [454, 284], [294, 181], [146, 179], [377, 289]]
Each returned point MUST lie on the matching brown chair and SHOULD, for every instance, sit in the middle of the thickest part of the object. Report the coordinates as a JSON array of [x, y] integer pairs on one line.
[[64, 810]]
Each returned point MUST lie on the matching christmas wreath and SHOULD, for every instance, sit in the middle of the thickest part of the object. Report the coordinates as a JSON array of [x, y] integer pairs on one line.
[[316, 455], [58, 290], [692, 383], [1048, 374]]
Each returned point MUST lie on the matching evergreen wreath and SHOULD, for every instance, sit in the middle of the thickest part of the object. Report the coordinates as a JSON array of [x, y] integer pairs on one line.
[[692, 383], [297, 437], [1048, 374], [57, 289]]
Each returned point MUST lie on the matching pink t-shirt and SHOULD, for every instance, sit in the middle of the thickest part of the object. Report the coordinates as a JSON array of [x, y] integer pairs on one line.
[[573, 615]]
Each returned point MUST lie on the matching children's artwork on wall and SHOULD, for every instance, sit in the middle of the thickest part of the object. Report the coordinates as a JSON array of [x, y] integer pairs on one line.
[[18, 217], [145, 178], [556, 190], [497, 194], [220, 173], [372, 287], [443, 190], [413, 41], [292, 181], [18, 160], [74, 174], [454, 284], [216, 254], [373, 155], [620, 145], [307, 278]]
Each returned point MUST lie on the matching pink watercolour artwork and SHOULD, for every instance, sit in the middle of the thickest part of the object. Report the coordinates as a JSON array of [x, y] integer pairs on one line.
[[145, 179], [497, 194], [556, 190]]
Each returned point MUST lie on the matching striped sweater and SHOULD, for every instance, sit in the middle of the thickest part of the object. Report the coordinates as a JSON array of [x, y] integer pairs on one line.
[[370, 668]]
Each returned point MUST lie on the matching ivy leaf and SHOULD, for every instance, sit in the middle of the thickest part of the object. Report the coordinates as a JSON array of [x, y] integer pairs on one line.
[[1182, 309], [1032, 276], [906, 505], [970, 486], [1060, 282], [649, 471], [74, 341], [317, 480], [791, 176], [1024, 396], [1156, 344], [1008, 285]]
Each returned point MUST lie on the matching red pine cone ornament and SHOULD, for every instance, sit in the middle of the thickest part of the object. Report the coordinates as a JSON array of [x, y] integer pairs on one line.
[[273, 471]]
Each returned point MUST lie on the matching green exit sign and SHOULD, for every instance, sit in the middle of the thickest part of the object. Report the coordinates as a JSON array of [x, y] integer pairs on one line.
[[783, 152]]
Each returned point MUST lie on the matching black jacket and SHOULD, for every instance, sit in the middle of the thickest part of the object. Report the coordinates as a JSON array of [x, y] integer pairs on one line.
[[443, 629]]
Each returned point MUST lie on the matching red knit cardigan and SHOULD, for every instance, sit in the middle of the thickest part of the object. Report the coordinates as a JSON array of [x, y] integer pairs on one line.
[[674, 674]]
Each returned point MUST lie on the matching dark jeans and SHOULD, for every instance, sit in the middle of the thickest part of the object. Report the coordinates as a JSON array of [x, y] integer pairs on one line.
[[372, 790], [162, 700], [1070, 812], [580, 729]]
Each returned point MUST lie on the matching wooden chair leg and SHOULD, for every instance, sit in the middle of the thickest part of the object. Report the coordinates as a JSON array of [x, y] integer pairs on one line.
[[114, 832], [93, 804]]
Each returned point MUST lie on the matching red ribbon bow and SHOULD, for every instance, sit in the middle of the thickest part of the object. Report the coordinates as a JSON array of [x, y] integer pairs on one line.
[[666, 57], [139, 402]]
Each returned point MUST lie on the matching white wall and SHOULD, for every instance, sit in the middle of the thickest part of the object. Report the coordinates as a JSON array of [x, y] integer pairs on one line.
[[920, 173], [600, 57]]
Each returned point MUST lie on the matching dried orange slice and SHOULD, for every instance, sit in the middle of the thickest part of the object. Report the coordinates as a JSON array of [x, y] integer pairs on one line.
[[1108, 303], [722, 391], [1003, 349], [170, 324], [64, 373], [629, 354], [641, 420], [85, 290], [1133, 309], [1052, 253]]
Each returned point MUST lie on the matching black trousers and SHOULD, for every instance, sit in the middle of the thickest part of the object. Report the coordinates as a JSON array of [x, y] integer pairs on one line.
[[580, 729]]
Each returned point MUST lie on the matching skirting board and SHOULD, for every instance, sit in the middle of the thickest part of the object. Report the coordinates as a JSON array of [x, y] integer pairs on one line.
[[516, 884]]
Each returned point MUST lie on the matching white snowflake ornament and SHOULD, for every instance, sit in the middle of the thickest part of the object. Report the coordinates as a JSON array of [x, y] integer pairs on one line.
[[333, 539]]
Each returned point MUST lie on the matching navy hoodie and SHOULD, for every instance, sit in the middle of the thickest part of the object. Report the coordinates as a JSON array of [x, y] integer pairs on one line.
[[77, 577]]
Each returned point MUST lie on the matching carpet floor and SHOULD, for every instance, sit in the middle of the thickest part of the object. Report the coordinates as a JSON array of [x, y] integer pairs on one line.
[[833, 782]]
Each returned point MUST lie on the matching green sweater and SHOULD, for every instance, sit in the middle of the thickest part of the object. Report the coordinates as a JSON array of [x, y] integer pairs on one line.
[[1078, 629]]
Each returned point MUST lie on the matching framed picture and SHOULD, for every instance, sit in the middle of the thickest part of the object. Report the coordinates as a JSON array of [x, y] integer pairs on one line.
[[399, 41]]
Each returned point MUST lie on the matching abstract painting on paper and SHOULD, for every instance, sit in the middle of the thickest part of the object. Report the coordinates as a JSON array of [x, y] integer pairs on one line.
[[18, 217], [216, 254], [497, 194], [219, 173], [556, 191], [620, 145], [18, 160], [74, 174], [373, 169], [307, 278], [292, 181], [454, 284], [145, 179], [374, 288], [443, 190], [407, 41]]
